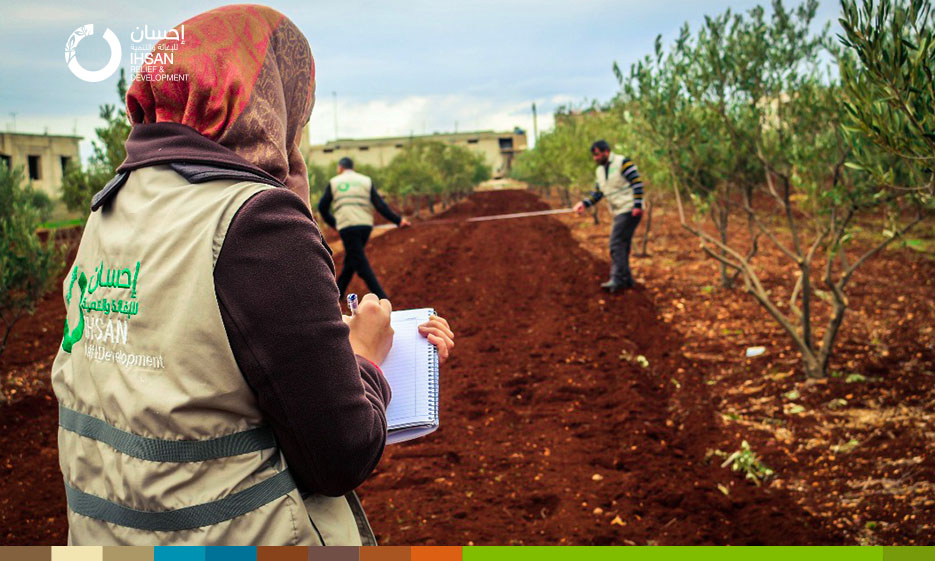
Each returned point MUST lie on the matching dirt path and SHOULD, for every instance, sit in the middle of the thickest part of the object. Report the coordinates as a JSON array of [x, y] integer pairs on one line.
[[552, 432]]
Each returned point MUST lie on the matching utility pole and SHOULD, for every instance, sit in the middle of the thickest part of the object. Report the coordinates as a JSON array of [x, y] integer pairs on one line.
[[535, 124], [334, 96], [14, 121]]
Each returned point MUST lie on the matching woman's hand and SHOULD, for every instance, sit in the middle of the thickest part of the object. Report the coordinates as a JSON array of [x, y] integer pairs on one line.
[[371, 335], [439, 333]]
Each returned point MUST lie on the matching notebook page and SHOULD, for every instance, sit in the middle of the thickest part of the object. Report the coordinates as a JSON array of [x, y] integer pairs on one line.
[[407, 369]]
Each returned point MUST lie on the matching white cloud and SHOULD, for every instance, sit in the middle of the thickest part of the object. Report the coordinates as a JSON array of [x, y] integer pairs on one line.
[[374, 118], [425, 115], [27, 15]]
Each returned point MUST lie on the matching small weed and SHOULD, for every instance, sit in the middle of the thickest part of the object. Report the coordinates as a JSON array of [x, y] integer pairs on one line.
[[855, 378], [708, 289], [793, 409], [845, 448], [836, 403], [746, 461], [639, 359], [871, 525]]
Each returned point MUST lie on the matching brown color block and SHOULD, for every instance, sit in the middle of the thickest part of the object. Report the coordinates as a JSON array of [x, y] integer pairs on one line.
[[281, 553], [24, 553], [334, 553], [388, 553]]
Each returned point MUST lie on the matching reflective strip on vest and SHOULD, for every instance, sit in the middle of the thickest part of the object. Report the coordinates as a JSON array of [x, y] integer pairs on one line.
[[158, 450], [196, 516], [174, 451]]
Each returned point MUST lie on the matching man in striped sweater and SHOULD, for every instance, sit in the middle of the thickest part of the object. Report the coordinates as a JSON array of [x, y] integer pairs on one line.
[[618, 181]]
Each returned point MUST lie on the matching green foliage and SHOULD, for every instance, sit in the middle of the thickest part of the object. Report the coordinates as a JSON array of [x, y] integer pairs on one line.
[[743, 102], [28, 267], [432, 170], [318, 177], [887, 74], [562, 156], [40, 201], [746, 461], [748, 108], [79, 185]]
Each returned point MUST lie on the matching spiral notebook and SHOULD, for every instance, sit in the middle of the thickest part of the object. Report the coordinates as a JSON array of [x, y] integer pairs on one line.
[[411, 368]]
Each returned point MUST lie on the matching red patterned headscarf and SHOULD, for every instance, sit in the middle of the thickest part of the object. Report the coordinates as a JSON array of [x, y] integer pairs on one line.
[[250, 86]]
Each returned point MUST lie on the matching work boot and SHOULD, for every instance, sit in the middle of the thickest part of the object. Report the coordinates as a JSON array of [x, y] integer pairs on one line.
[[611, 286]]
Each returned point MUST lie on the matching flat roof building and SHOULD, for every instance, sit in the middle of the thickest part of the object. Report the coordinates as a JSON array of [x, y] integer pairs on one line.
[[498, 148], [43, 157]]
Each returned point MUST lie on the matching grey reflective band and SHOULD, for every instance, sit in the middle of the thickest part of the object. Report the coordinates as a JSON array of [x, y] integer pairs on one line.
[[158, 450], [186, 518]]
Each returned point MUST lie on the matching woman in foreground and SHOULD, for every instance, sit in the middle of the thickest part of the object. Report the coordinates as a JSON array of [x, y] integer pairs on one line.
[[210, 391]]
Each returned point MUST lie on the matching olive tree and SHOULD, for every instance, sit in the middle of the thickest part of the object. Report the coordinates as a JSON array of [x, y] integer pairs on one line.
[[888, 74], [751, 118], [28, 267]]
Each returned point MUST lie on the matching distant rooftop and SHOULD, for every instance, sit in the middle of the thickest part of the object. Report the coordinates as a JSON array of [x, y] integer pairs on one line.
[[18, 133], [436, 135]]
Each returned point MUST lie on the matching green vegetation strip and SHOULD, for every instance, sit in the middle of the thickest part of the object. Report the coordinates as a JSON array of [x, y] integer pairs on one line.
[[56, 224], [785, 553]]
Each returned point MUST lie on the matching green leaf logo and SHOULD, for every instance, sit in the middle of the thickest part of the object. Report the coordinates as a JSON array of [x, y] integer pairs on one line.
[[73, 336]]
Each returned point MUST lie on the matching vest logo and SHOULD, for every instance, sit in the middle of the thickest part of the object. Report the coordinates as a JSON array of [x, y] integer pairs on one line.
[[71, 58], [113, 278], [73, 336], [344, 186]]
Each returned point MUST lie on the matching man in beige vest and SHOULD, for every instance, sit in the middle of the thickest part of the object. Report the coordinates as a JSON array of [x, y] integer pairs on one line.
[[353, 197], [619, 182]]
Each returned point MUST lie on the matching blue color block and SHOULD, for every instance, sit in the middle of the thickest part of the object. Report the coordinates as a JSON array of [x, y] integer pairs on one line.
[[178, 553], [231, 553]]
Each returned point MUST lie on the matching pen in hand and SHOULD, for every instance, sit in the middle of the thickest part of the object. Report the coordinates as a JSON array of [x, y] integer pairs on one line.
[[352, 303]]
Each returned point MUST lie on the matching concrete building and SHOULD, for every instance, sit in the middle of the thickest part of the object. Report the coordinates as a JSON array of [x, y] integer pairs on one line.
[[498, 148], [43, 157]]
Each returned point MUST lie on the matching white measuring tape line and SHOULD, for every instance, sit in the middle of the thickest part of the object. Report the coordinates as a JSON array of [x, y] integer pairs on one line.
[[484, 218]]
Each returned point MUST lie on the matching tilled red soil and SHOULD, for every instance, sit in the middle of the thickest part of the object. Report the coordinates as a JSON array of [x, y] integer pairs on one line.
[[551, 432]]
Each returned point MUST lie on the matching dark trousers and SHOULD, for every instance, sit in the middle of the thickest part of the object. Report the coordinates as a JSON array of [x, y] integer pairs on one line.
[[354, 239], [620, 237]]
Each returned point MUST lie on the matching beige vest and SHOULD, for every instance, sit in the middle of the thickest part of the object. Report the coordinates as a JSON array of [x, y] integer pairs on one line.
[[161, 440], [351, 206], [616, 188]]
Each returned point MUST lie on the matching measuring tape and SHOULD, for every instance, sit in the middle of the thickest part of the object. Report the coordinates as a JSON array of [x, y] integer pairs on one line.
[[483, 218]]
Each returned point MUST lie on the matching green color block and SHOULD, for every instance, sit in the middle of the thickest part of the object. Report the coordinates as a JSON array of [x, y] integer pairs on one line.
[[917, 553], [692, 553]]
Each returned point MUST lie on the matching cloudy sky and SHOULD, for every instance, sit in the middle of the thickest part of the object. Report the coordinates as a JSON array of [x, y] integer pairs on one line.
[[393, 67]]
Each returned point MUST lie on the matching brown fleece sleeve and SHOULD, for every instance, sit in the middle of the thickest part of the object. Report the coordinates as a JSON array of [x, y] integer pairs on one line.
[[275, 286]]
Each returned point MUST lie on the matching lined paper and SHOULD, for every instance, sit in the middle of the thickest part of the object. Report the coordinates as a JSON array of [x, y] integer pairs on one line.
[[411, 369]]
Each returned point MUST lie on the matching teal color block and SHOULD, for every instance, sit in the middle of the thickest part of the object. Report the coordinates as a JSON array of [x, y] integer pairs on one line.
[[231, 553], [179, 553]]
